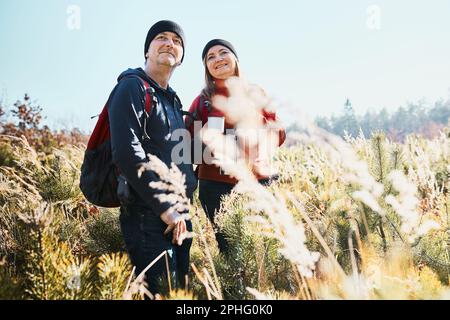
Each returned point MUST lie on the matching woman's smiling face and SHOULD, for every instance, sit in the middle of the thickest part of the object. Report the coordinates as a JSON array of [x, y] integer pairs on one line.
[[221, 62]]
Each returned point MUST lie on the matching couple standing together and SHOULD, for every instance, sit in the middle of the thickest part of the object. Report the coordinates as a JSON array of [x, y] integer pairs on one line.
[[145, 219]]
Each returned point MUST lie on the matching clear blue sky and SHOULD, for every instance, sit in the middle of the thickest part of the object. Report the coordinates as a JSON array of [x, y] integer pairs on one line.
[[309, 55]]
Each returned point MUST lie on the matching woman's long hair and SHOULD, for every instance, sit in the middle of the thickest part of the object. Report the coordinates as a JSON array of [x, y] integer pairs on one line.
[[208, 90]]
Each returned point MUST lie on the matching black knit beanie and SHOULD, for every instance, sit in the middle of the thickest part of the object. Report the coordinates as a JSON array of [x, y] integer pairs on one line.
[[163, 26], [216, 42]]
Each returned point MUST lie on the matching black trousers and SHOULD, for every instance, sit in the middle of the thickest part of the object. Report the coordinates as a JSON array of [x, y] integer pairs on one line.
[[142, 231], [210, 193]]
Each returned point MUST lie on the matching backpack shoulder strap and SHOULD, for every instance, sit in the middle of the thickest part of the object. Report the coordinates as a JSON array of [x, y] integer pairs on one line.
[[204, 103], [150, 97], [208, 105], [149, 94]]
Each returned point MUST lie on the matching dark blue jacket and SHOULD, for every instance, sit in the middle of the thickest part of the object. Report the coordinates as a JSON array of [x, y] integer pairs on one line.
[[126, 114]]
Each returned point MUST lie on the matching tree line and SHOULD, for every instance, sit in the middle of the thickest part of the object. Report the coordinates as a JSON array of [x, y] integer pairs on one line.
[[417, 118]]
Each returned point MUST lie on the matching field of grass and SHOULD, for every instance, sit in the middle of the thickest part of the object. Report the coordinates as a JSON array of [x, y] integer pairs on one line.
[[360, 218]]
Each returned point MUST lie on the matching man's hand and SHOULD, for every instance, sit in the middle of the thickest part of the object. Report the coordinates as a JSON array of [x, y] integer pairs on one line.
[[175, 223]]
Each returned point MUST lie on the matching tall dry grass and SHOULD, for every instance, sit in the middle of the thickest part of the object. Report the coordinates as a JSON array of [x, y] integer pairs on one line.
[[353, 218]]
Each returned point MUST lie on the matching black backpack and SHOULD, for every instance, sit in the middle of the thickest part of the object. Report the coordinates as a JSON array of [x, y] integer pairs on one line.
[[100, 180]]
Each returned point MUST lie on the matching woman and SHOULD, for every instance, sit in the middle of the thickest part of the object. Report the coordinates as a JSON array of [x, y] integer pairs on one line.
[[221, 62]]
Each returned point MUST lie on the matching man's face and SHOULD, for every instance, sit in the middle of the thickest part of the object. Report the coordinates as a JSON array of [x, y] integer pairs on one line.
[[166, 49]]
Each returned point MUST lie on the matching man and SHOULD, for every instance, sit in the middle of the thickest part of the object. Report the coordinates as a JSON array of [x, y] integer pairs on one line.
[[144, 219]]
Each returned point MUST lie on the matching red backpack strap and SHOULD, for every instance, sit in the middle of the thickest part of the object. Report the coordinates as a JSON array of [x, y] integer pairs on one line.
[[197, 113], [149, 98], [204, 108], [148, 95]]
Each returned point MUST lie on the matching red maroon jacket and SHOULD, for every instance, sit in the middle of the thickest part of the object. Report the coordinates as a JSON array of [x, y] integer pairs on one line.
[[213, 172]]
